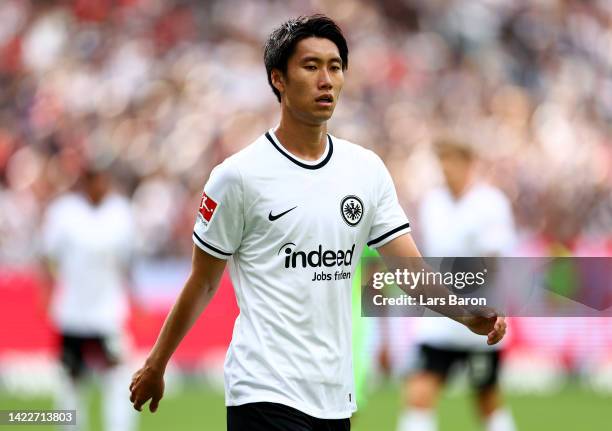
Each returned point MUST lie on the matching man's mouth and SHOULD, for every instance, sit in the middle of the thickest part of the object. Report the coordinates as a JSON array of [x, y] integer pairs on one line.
[[325, 100]]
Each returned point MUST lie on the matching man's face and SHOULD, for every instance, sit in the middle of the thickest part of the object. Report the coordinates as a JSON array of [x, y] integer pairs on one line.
[[455, 167], [97, 186], [314, 78]]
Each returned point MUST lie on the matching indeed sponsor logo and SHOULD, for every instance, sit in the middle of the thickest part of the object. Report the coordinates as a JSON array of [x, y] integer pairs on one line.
[[315, 258]]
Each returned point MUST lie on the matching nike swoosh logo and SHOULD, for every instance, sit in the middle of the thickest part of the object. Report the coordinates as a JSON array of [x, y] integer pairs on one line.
[[272, 217]]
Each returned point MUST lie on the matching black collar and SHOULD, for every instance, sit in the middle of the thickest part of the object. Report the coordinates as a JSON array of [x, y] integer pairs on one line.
[[300, 163]]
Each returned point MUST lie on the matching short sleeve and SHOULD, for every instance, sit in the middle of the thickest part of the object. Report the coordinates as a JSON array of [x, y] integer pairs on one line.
[[390, 220], [220, 218]]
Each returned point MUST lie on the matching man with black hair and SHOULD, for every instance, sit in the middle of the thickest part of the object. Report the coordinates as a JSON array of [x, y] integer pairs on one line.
[[291, 213]]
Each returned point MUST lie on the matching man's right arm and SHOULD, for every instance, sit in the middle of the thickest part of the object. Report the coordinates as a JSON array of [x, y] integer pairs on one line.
[[148, 383]]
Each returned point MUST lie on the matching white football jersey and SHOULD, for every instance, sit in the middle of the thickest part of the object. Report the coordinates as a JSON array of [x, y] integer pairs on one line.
[[480, 223], [92, 246], [293, 231]]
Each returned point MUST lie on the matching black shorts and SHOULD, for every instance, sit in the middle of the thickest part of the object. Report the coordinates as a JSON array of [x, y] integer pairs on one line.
[[80, 353], [278, 417], [483, 367]]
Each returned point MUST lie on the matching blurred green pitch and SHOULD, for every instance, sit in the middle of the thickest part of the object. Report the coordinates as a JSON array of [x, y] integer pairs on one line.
[[198, 409]]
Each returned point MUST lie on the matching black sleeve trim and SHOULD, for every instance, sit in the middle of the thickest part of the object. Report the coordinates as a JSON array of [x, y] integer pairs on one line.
[[388, 234], [205, 244]]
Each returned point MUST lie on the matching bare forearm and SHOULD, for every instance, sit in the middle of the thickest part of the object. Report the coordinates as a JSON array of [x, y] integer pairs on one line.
[[402, 254], [434, 296], [190, 304], [148, 381]]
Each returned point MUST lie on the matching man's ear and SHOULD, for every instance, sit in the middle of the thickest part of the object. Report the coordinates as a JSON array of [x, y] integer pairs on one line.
[[278, 80]]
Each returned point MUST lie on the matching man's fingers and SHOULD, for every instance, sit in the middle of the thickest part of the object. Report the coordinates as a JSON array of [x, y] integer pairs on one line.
[[135, 379], [496, 334], [138, 400], [138, 404], [145, 387], [154, 404], [499, 327], [493, 337]]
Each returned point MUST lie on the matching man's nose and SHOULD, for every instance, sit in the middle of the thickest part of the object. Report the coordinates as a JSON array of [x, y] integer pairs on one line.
[[325, 79]]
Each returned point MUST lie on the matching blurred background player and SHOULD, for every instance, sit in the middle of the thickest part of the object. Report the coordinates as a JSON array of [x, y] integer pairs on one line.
[[466, 217], [88, 237]]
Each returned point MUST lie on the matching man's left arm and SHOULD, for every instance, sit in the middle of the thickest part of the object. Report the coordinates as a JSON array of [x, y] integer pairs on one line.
[[486, 322]]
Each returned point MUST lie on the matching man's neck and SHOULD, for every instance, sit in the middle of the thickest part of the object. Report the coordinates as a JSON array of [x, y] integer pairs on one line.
[[95, 200], [302, 140]]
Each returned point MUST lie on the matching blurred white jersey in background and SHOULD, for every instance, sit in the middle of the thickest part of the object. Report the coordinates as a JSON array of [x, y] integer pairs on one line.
[[91, 246], [479, 223]]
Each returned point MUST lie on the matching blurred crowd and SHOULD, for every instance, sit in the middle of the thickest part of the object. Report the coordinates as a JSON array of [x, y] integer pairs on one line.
[[160, 91]]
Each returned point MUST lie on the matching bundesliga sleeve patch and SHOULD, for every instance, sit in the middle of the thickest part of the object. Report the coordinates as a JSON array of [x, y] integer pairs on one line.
[[207, 207]]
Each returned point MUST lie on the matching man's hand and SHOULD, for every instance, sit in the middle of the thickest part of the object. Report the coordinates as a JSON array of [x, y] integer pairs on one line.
[[489, 324], [147, 383], [481, 320]]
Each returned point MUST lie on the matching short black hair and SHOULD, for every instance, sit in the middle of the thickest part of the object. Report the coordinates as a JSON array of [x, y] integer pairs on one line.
[[282, 41]]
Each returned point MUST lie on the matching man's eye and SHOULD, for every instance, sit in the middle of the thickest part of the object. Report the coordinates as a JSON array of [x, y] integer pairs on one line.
[[311, 67], [335, 68]]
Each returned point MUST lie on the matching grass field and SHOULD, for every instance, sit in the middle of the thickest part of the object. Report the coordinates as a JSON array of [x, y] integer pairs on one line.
[[195, 408]]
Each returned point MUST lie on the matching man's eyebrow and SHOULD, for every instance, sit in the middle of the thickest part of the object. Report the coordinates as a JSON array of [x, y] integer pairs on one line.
[[319, 59]]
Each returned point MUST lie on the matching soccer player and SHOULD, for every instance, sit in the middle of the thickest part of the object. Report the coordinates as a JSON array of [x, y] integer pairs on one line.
[[467, 218], [88, 237], [291, 213]]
